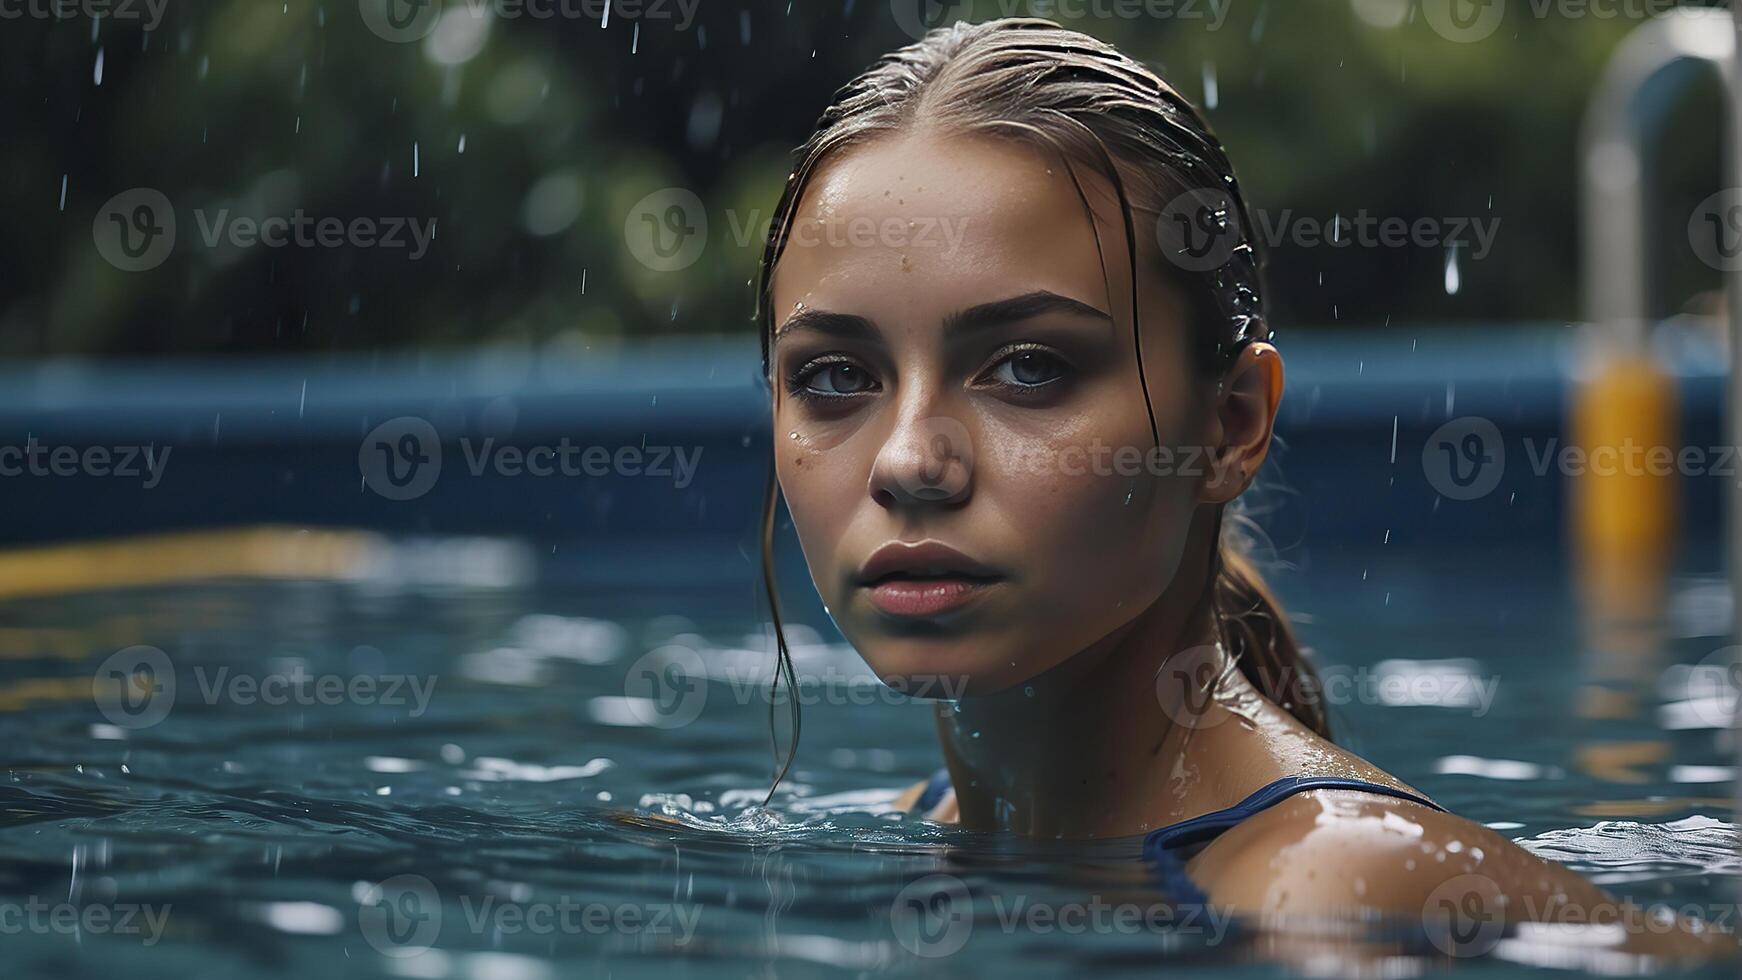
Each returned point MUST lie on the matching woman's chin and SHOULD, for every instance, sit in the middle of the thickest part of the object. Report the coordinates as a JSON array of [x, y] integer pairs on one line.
[[942, 671]]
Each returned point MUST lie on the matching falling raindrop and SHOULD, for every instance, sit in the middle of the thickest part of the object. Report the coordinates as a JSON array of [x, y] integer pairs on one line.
[[1454, 281], [1212, 92], [98, 72]]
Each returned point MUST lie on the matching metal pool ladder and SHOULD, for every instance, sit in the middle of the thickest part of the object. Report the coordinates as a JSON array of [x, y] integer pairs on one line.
[[1651, 66]]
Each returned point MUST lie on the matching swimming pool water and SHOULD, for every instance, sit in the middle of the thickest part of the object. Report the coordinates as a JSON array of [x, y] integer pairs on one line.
[[487, 777]]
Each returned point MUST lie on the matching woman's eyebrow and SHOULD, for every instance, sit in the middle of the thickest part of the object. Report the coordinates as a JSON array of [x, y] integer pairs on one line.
[[843, 325], [1013, 309], [1019, 308]]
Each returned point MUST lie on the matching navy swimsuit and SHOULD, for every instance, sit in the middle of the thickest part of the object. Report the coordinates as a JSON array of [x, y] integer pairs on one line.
[[1170, 847]]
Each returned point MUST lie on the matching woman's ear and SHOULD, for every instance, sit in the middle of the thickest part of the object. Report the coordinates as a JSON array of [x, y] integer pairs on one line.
[[1241, 422]]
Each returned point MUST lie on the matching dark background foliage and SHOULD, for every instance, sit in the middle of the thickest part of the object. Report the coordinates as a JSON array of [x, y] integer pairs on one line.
[[529, 141]]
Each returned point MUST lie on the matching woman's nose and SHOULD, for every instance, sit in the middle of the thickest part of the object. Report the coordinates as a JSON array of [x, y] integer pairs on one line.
[[927, 460]]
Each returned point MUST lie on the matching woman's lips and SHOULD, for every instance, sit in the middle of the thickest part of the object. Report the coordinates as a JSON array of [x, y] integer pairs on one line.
[[925, 597], [923, 578]]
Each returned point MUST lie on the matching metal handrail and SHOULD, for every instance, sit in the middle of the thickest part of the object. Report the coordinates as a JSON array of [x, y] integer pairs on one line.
[[1647, 71]]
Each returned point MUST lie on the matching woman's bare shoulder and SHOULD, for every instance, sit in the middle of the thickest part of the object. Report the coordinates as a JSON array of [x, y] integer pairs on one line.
[[1333, 853]]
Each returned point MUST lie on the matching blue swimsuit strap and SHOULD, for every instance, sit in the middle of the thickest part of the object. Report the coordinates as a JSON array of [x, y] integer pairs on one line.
[[1164, 846]]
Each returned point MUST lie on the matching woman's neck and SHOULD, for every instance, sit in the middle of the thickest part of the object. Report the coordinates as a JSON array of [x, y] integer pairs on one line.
[[1088, 749]]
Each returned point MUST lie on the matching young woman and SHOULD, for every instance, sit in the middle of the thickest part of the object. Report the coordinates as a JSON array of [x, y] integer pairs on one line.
[[1014, 324]]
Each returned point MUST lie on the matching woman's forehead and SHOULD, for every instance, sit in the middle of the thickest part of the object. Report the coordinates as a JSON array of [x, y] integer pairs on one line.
[[929, 220]]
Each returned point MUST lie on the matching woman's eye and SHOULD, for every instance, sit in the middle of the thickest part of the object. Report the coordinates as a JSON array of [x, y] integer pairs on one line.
[[838, 378], [1029, 369]]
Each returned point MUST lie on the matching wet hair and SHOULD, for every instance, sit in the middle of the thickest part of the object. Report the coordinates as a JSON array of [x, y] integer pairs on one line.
[[1030, 79]]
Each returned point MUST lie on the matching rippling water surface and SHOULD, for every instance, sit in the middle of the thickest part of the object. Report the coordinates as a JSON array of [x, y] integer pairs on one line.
[[485, 778]]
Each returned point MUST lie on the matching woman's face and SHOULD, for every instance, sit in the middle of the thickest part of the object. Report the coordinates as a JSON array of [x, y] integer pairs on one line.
[[960, 432]]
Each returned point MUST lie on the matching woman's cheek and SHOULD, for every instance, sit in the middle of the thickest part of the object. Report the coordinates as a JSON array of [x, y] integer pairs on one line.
[[1097, 523], [824, 469]]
